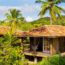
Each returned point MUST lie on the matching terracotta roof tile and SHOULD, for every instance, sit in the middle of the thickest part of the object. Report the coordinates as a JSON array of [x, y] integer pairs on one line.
[[48, 30], [6, 29]]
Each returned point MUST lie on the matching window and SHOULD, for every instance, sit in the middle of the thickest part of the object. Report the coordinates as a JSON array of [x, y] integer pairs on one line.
[[46, 45]]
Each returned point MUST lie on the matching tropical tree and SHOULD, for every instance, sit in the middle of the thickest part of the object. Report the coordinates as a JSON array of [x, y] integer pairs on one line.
[[52, 7], [15, 17], [7, 56]]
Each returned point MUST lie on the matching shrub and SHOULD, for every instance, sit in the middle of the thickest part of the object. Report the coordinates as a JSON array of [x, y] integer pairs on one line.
[[11, 55], [54, 60]]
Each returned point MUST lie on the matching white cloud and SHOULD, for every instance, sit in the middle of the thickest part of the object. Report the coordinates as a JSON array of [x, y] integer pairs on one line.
[[30, 8], [29, 19], [26, 9]]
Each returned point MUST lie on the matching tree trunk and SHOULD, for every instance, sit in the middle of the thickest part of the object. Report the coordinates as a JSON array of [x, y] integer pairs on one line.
[[51, 21]]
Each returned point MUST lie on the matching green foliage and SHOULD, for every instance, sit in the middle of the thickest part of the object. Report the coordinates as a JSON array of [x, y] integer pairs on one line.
[[54, 60], [25, 26], [14, 14], [62, 60], [42, 21], [10, 53], [54, 10]]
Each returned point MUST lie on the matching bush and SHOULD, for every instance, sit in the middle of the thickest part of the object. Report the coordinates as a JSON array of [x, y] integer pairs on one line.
[[11, 55], [54, 60]]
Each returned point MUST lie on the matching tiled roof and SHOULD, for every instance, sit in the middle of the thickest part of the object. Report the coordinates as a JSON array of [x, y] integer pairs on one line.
[[6, 29], [48, 30]]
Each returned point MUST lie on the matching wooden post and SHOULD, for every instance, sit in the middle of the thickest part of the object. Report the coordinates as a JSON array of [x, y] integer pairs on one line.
[[54, 46], [43, 44], [51, 47], [35, 59]]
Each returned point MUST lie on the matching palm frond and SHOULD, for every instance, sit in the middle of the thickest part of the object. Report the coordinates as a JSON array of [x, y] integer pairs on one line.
[[8, 16], [58, 10], [44, 8]]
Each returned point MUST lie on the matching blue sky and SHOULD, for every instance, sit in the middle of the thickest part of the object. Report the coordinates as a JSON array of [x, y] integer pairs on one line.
[[29, 8]]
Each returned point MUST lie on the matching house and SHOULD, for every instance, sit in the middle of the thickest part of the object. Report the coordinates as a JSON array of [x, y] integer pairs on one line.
[[44, 41], [41, 42]]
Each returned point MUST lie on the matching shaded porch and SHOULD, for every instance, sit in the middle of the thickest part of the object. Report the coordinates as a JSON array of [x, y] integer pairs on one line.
[[43, 45]]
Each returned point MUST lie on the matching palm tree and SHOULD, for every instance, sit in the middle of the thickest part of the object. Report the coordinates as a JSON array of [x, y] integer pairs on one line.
[[14, 17], [51, 6]]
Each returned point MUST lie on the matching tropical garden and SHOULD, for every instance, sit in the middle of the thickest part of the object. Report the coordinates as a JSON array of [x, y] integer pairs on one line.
[[10, 46]]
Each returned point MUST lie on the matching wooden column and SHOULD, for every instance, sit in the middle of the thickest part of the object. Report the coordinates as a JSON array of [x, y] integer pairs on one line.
[[35, 59], [43, 43], [51, 47], [54, 46]]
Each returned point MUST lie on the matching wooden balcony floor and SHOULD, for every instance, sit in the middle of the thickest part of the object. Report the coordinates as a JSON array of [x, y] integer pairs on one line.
[[38, 54]]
